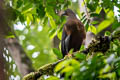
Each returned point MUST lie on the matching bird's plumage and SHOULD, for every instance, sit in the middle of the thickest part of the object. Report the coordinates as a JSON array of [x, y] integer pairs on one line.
[[73, 33]]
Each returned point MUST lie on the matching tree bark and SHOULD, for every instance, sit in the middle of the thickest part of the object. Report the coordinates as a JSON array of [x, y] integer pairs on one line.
[[22, 61], [3, 31], [3, 75]]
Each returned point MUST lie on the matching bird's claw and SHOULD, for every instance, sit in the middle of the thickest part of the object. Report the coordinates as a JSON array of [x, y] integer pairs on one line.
[[68, 56]]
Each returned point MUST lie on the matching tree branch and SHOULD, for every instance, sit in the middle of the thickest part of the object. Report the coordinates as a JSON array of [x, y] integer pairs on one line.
[[47, 69], [100, 44]]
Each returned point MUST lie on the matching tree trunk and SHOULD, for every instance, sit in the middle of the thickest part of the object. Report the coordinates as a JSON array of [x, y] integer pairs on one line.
[[22, 61], [3, 75]]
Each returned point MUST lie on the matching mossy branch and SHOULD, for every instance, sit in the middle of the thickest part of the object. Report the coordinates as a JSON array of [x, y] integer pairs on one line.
[[100, 44], [47, 69]]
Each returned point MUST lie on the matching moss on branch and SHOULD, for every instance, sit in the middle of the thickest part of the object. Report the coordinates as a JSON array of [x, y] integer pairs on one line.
[[47, 69]]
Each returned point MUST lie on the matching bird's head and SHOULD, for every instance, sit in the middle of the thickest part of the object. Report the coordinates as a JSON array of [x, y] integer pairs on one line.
[[67, 12]]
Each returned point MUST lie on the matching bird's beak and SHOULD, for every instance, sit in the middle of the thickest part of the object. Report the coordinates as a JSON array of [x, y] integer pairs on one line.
[[62, 13]]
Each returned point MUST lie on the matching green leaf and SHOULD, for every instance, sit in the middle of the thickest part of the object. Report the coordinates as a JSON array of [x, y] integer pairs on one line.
[[87, 26], [52, 22], [107, 33], [110, 14], [115, 24], [41, 11], [28, 20], [67, 69], [61, 65], [59, 35], [92, 29], [19, 3], [10, 35], [107, 68], [104, 24], [111, 76], [58, 53], [94, 22], [52, 33], [53, 78], [28, 7], [98, 9], [22, 18], [71, 51], [81, 56], [67, 63]]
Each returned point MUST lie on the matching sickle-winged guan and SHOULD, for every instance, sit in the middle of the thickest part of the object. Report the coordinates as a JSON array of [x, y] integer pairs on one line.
[[73, 33]]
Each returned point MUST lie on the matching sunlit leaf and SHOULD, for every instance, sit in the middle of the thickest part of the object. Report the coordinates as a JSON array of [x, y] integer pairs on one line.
[[10, 35], [28, 20], [104, 24], [53, 78], [58, 53], [92, 29], [98, 9], [59, 35], [52, 22], [80, 56], [27, 8], [52, 33], [61, 65], [109, 75], [107, 68], [66, 63], [110, 14], [67, 69]]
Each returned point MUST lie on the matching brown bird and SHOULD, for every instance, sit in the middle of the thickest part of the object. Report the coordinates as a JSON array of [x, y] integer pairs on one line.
[[73, 33]]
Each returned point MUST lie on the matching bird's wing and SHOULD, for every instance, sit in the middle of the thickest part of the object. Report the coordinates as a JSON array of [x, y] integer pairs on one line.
[[65, 42]]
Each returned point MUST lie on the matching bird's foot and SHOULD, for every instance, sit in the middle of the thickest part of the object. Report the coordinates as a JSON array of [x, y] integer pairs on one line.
[[68, 56]]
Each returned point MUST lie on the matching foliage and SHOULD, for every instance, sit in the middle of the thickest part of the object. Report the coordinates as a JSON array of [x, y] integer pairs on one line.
[[100, 66], [41, 23]]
